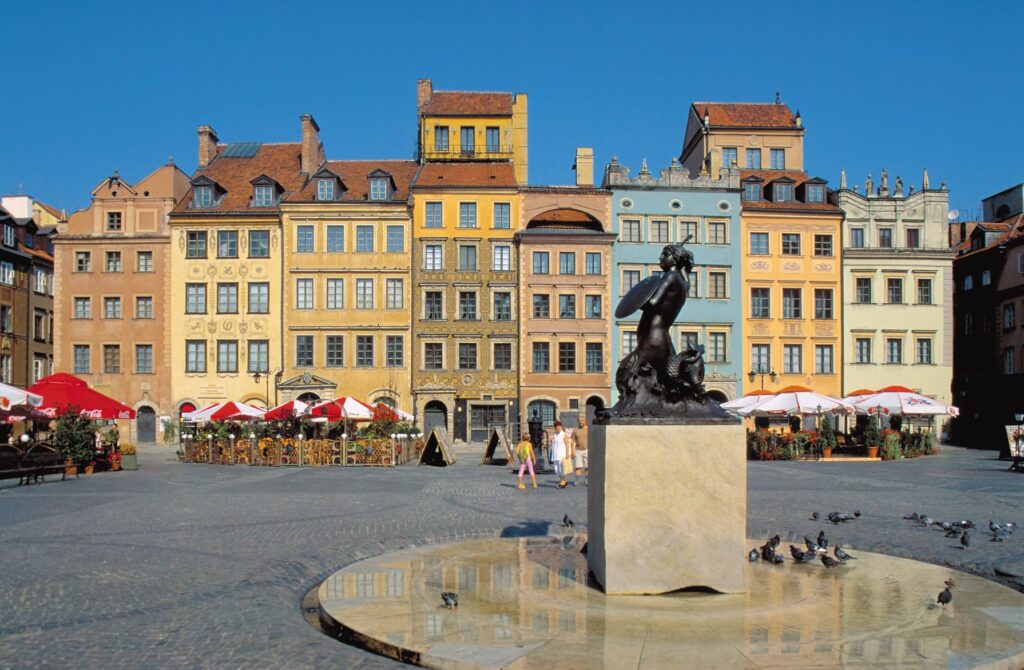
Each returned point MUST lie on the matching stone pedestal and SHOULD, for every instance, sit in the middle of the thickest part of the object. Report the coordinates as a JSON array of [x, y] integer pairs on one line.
[[667, 507]]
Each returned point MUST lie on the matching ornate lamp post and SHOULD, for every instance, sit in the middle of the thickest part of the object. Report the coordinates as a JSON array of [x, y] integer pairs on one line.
[[753, 374], [256, 376]]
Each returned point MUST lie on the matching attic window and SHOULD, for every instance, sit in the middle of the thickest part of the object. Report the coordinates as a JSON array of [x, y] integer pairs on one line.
[[325, 189], [263, 196], [379, 188], [202, 197], [782, 192], [815, 193], [751, 191], [9, 237], [114, 221]]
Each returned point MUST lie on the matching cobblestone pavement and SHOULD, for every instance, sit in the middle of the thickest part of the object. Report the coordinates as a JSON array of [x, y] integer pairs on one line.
[[197, 566]]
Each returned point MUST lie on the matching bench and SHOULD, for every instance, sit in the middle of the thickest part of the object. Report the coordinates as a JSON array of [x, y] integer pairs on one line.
[[31, 464]]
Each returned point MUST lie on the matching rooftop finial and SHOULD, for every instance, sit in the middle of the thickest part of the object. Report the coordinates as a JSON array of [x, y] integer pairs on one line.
[[643, 168], [778, 98], [842, 178], [925, 184]]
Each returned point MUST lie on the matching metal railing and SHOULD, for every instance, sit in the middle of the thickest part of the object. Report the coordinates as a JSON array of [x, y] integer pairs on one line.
[[268, 451], [484, 153]]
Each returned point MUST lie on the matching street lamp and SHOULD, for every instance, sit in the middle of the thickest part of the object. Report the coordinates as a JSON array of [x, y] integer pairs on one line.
[[256, 376], [752, 375]]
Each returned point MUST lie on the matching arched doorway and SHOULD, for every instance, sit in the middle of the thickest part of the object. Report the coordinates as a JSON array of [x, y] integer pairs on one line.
[[434, 414], [545, 408], [145, 425], [185, 408], [309, 397], [717, 396], [595, 404]]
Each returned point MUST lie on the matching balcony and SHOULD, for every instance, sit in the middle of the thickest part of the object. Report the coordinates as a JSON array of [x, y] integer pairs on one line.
[[487, 153]]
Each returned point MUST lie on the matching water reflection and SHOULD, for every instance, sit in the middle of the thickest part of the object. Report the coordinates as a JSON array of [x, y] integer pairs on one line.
[[516, 594]]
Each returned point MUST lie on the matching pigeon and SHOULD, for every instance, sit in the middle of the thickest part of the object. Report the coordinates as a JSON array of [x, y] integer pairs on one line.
[[950, 583], [839, 517], [913, 516], [828, 561], [778, 559], [1009, 526], [945, 525], [815, 516], [965, 540], [767, 551], [795, 552], [812, 546], [774, 540], [1000, 535], [994, 527], [926, 521], [822, 540], [450, 599], [842, 555], [856, 513], [567, 522], [753, 556], [945, 597], [953, 532], [807, 557]]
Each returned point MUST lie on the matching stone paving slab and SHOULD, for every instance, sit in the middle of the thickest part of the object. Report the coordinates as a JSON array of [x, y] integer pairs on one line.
[[200, 566]]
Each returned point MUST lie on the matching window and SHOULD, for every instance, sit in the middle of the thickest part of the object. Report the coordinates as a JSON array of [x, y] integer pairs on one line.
[[394, 294], [628, 342], [823, 303], [259, 298], [227, 244], [263, 196], [986, 277], [857, 238], [760, 357], [595, 357], [968, 282], [502, 356], [924, 351], [968, 324], [144, 307], [396, 239], [335, 351], [335, 239], [753, 159], [630, 230], [717, 285], [1009, 318], [304, 239], [717, 347], [894, 290], [195, 298], [325, 189], [433, 305], [689, 230], [113, 221], [862, 345], [792, 359], [440, 138], [823, 359], [83, 261], [782, 192], [467, 305], [83, 308], [1008, 361], [364, 294], [728, 157], [113, 263], [567, 262], [760, 303], [379, 188], [502, 215], [195, 246], [822, 245], [502, 260], [6, 318], [10, 238], [112, 358], [467, 356], [791, 244], [778, 159], [541, 357], [863, 290], [894, 351], [303, 351], [40, 277], [913, 238], [144, 261], [567, 357], [717, 232], [541, 306], [39, 325], [567, 307], [364, 239], [493, 139], [924, 291], [433, 356], [202, 196], [81, 356], [195, 356], [433, 257], [144, 358], [658, 232], [467, 257], [394, 351], [467, 139], [592, 304], [541, 260], [467, 215], [688, 340], [111, 308], [227, 298], [259, 244], [815, 193], [752, 191], [885, 237], [593, 260], [630, 278], [433, 215], [791, 307], [259, 356], [758, 244], [502, 306]]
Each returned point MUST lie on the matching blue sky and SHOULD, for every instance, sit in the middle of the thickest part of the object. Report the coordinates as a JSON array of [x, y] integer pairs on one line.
[[94, 88]]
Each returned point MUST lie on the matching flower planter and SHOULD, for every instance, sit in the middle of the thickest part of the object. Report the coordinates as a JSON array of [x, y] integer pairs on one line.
[[129, 462], [115, 466], [826, 452], [70, 469], [88, 468], [872, 452]]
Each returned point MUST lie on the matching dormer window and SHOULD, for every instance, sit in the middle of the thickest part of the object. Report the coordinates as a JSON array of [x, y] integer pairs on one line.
[[815, 193], [751, 191], [202, 197], [263, 196], [378, 188], [782, 192], [10, 239], [325, 188]]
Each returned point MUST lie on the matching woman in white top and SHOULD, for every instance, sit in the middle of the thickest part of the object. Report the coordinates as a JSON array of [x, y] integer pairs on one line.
[[559, 450]]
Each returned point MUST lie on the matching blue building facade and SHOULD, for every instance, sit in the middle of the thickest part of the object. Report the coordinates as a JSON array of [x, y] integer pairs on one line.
[[649, 212]]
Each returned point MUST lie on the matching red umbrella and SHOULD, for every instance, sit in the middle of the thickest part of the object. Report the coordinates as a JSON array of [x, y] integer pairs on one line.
[[354, 410], [232, 410], [288, 410], [62, 392]]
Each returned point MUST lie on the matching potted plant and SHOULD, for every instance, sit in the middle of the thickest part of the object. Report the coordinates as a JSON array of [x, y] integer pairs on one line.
[[115, 461], [890, 445], [827, 437], [872, 438], [129, 456], [74, 437]]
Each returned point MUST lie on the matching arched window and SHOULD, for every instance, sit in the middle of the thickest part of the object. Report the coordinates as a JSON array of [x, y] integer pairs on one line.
[[186, 407], [387, 400], [545, 408], [309, 397]]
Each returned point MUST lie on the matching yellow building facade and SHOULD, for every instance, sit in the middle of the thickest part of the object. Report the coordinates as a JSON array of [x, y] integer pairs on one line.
[[749, 136]]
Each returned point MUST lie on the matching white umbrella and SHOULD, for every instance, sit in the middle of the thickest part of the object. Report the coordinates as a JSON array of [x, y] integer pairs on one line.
[[748, 401], [12, 396], [797, 400], [901, 400]]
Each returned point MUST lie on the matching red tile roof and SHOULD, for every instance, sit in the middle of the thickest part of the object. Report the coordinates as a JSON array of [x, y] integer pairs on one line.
[[448, 175], [53, 211], [798, 178], [280, 162], [468, 103], [354, 176], [747, 114]]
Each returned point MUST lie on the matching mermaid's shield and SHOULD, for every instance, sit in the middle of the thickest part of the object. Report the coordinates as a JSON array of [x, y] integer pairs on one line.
[[637, 297]]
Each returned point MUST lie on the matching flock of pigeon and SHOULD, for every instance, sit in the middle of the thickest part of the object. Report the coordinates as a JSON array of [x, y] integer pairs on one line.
[[963, 528], [815, 549]]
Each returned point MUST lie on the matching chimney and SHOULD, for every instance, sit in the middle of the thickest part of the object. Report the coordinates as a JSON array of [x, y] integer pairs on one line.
[[584, 167], [312, 149], [207, 145], [424, 89]]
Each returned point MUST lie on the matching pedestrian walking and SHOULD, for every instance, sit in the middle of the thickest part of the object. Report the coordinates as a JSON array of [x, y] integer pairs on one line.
[[526, 456], [559, 453], [580, 461]]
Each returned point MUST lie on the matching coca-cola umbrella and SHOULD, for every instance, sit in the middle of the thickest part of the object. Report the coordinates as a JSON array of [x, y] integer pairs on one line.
[[62, 392], [797, 400], [748, 401], [343, 408], [237, 411], [901, 400], [288, 410]]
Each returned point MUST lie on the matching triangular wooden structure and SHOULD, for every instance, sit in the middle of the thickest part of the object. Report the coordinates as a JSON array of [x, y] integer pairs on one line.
[[492, 454], [437, 451]]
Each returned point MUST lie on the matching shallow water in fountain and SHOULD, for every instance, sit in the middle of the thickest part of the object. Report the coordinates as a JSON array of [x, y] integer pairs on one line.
[[525, 603]]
